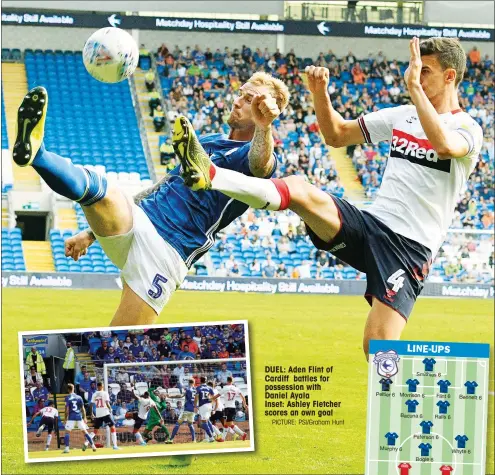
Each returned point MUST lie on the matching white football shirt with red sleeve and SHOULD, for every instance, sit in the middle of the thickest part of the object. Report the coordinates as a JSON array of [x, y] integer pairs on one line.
[[419, 192]]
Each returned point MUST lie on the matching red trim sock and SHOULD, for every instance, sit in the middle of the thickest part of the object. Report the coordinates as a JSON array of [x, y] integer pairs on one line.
[[284, 192]]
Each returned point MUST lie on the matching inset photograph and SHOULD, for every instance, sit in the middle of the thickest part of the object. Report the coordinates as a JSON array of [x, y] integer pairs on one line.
[[115, 392]]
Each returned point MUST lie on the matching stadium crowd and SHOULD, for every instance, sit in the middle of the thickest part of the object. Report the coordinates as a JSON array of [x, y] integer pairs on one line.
[[140, 346], [203, 83]]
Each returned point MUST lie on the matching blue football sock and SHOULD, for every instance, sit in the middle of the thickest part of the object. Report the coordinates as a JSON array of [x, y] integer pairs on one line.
[[62, 176], [67, 440], [88, 438], [176, 429], [210, 425], [205, 427], [193, 433]]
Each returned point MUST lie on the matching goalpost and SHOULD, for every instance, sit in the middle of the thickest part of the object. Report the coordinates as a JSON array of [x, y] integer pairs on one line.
[[172, 376]]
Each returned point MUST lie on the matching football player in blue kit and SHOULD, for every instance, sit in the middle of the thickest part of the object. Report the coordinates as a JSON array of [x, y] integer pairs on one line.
[[188, 414], [155, 237], [75, 418], [204, 397]]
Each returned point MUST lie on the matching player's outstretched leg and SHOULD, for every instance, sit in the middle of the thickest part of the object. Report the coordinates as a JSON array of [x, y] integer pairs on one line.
[[383, 323], [40, 430], [67, 443], [107, 209]]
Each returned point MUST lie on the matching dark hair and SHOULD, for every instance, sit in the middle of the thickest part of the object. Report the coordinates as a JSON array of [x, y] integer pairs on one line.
[[449, 53], [203, 379], [99, 384], [229, 379]]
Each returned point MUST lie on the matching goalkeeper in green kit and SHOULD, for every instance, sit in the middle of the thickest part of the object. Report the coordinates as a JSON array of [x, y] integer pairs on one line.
[[158, 395]]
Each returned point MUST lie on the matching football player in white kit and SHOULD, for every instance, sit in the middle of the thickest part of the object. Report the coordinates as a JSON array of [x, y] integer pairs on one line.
[[434, 149], [49, 418], [102, 414], [230, 392], [145, 404], [217, 414]]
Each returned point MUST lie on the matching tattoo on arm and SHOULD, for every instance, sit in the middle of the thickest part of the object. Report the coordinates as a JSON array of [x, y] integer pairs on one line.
[[261, 152], [145, 193]]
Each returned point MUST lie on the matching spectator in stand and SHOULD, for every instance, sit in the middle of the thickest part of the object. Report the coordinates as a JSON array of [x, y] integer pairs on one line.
[[41, 392], [69, 364], [143, 53], [269, 269], [149, 80], [33, 378], [122, 376], [222, 375], [136, 347], [474, 56], [125, 395], [100, 354], [154, 101], [84, 386], [282, 271], [158, 118], [191, 344]]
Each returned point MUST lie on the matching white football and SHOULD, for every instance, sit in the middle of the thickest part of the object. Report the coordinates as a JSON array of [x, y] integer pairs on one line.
[[110, 55]]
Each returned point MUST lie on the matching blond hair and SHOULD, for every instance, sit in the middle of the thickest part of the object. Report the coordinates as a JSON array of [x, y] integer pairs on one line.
[[449, 53], [277, 88]]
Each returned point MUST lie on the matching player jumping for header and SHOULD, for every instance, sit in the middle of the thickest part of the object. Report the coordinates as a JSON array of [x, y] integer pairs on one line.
[[434, 149], [75, 418], [159, 396], [157, 236], [203, 400], [49, 419], [102, 414], [145, 405]]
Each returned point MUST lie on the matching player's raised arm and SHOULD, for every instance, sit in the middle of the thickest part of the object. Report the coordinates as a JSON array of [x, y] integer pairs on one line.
[[447, 143], [336, 131], [244, 403], [265, 110]]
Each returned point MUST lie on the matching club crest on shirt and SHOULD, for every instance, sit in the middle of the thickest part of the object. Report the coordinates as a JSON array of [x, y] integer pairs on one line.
[[386, 363]]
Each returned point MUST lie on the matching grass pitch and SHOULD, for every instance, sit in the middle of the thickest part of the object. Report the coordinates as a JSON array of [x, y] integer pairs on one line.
[[137, 450], [284, 330]]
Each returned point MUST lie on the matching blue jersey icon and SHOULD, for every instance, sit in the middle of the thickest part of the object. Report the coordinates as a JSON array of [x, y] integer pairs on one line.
[[426, 426], [411, 405], [391, 436], [471, 386], [385, 382], [461, 441], [425, 449], [413, 384], [75, 404], [443, 406], [429, 364], [444, 386]]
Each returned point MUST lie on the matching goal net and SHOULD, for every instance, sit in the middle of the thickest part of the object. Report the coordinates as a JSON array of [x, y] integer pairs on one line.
[[121, 378]]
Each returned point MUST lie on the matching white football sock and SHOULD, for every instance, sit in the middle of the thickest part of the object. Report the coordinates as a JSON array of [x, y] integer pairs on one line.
[[237, 430], [48, 440], [256, 192], [113, 435]]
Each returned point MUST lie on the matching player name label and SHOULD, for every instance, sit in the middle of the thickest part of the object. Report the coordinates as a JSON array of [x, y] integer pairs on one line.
[[301, 395], [427, 408]]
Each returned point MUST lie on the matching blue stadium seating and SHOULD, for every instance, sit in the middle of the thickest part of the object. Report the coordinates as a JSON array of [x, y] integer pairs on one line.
[[12, 254], [94, 261], [5, 138], [91, 122]]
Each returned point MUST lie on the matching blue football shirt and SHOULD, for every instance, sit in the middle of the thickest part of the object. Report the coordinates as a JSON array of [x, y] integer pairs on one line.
[[444, 386], [429, 364], [75, 405], [391, 436], [189, 403], [411, 405], [413, 384], [204, 391], [471, 386], [425, 449], [461, 441], [190, 220], [443, 406], [426, 426]]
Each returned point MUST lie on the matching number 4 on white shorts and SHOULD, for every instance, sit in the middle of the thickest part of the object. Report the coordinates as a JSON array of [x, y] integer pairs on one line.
[[396, 280]]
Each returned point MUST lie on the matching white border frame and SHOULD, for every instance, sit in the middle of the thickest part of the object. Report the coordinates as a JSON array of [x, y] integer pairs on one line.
[[251, 447]]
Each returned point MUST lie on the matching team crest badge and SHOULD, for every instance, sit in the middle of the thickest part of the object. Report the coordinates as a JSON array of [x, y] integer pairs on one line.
[[386, 363]]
